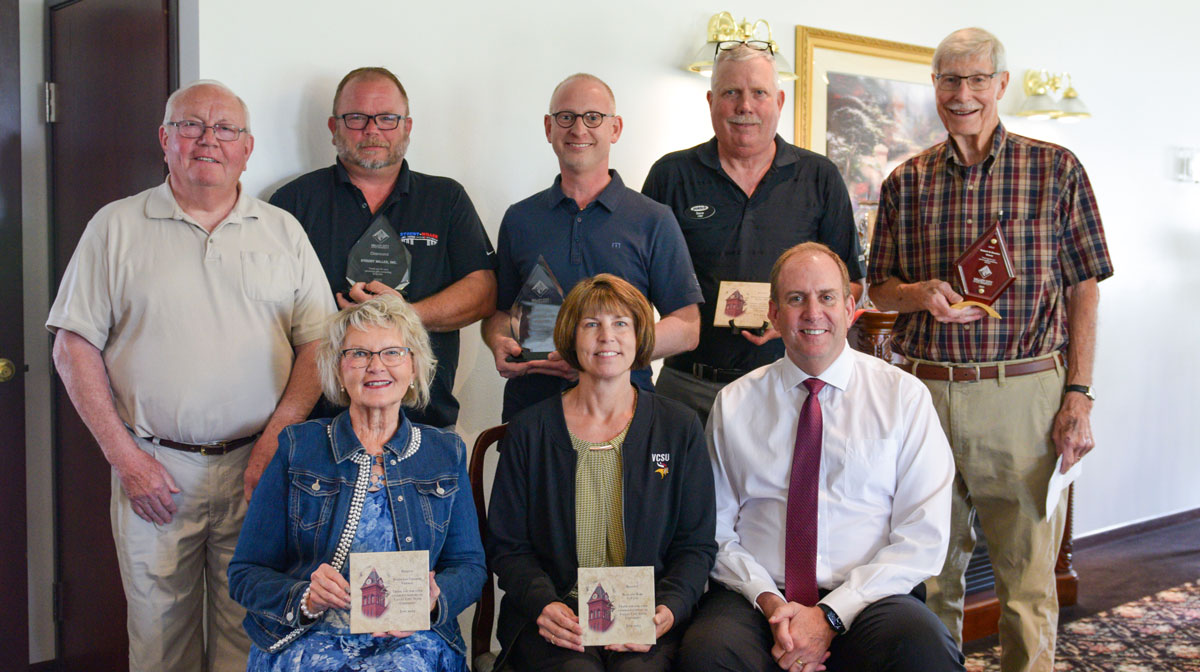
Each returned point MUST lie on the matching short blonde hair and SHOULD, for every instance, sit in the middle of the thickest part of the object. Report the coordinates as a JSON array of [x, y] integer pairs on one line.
[[604, 293], [389, 312]]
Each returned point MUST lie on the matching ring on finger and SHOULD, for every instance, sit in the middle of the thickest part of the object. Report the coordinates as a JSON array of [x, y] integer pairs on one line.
[[553, 640]]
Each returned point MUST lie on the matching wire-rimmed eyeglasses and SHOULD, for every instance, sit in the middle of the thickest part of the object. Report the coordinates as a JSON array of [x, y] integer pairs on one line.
[[189, 128], [358, 358], [976, 82]]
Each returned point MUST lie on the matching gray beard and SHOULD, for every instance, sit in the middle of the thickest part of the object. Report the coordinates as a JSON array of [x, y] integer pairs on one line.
[[347, 155]]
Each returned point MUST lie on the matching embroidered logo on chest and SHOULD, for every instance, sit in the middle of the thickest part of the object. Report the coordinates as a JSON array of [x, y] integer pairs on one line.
[[414, 237], [660, 460]]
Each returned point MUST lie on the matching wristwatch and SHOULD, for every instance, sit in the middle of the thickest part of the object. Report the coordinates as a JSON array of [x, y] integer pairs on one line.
[[1085, 390], [831, 617]]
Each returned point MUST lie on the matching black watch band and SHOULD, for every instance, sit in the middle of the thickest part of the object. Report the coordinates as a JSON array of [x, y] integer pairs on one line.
[[1085, 390], [831, 617]]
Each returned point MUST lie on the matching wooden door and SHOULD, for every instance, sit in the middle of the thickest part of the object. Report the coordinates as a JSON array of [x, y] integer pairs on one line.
[[113, 64], [14, 576]]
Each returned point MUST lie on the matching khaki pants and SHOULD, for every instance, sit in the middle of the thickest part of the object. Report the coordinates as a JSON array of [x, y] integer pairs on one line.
[[999, 431], [174, 573]]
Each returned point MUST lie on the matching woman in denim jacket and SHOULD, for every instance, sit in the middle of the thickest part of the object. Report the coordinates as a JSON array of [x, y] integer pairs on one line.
[[368, 480]]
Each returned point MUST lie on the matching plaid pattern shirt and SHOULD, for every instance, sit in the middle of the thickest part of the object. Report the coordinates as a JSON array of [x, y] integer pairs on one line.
[[932, 208]]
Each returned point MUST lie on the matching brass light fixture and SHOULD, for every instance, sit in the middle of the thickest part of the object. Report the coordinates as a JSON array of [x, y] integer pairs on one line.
[[1040, 85], [723, 28]]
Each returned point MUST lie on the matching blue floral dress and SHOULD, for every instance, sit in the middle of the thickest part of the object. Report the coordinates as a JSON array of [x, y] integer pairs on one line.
[[328, 645]]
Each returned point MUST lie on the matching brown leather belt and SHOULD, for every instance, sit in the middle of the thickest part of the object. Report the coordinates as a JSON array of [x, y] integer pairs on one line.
[[962, 373], [217, 448]]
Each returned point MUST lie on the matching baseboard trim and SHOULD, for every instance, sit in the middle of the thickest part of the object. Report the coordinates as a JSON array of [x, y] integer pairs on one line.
[[44, 666], [1134, 529]]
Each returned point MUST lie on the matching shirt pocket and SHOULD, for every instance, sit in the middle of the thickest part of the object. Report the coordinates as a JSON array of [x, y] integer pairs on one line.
[[1032, 248], [437, 500], [310, 506], [870, 474], [267, 277]]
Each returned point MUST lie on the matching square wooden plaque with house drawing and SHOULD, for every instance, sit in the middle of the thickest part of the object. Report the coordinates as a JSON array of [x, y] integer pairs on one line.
[[742, 305], [389, 591], [616, 605]]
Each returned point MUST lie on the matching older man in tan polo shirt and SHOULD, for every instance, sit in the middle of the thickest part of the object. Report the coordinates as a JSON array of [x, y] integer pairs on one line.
[[186, 326]]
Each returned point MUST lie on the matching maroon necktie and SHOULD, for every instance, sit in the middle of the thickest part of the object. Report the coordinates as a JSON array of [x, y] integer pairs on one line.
[[800, 545]]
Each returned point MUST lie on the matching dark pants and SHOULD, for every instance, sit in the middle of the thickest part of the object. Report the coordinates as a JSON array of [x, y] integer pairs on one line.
[[531, 653], [895, 634]]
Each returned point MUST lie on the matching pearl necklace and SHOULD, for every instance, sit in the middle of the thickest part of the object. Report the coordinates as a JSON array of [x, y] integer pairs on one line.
[[363, 460]]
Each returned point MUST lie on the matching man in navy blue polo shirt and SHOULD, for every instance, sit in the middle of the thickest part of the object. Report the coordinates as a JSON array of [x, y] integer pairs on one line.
[[589, 222], [741, 199], [452, 276]]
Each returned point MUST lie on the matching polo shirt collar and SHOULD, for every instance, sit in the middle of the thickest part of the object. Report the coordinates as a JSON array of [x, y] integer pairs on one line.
[[162, 205], [610, 197], [345, 442], [837, 375], [999, 136], [403, 180], [785, 153]]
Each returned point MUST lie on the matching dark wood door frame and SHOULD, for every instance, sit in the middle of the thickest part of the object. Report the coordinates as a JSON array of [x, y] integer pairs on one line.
[[113, 63], [14, 570]]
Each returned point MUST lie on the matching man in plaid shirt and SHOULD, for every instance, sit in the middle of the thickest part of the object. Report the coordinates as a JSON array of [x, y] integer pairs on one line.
[[1013, 394]]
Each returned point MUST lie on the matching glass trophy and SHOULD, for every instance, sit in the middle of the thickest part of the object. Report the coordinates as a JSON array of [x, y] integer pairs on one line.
[[984, 271], [534, 313], [379, 255]]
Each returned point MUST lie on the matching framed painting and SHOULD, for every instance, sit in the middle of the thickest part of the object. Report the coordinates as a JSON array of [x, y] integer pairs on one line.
[[867, 104]]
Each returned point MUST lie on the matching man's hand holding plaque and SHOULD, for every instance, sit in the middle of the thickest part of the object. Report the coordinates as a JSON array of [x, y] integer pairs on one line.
[[534, 313], [984, 271], [742, 306]]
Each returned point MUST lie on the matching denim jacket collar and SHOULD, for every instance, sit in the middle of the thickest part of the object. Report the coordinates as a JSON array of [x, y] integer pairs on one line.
[[344, 442]]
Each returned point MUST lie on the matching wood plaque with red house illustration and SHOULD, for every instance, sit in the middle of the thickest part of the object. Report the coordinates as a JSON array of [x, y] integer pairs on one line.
[[742, 305], [616, 605], [389, 591]]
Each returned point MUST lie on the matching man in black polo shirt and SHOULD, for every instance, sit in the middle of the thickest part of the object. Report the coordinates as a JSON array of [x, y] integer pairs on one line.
[[741, 199], [588, 222], [452, 279]]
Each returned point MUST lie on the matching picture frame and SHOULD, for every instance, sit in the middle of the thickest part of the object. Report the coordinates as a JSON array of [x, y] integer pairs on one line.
[[863, 55], [869, 105]]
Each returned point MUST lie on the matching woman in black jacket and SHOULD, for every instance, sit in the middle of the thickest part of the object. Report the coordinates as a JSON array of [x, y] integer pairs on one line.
[[604, 475]]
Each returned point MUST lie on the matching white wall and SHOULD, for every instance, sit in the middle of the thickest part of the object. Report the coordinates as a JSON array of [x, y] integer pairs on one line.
[[479, 75]]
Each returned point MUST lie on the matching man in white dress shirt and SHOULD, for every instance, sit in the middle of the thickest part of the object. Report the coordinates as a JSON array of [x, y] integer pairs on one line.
[[878, 488]]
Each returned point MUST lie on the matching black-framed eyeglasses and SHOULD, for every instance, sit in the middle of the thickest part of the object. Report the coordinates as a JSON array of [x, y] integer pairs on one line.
[[193, 129], [357, 121], [591, 119], [976, 82], [358, 358], [758, 45]]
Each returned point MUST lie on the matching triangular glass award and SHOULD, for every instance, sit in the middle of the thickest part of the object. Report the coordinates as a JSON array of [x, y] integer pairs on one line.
[[379, 255], [534, 313]]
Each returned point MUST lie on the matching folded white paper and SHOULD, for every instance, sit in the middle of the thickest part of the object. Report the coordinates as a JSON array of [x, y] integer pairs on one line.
[[1059, 483]]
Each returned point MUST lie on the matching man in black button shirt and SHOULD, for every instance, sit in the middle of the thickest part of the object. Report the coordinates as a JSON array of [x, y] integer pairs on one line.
[[452, 272], [741, 199]]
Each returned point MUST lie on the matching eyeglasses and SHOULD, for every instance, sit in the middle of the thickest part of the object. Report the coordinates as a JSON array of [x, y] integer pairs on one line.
[[757, 45], [358, 358], [357, 121], [977, 82], [195, 129], [591, 119]]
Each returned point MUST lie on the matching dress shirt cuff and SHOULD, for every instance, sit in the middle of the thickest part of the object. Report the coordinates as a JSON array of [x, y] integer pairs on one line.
[[753, 589], [846, 602]]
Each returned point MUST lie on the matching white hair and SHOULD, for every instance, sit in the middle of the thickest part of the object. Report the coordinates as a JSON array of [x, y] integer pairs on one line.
[[967, 43], [174, 98]]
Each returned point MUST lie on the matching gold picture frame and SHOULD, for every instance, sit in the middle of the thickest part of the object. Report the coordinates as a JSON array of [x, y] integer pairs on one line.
[[808, 43]]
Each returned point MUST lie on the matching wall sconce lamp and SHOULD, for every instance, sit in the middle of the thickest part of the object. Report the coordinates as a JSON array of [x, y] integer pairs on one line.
[[722, 28], [1040, 102]]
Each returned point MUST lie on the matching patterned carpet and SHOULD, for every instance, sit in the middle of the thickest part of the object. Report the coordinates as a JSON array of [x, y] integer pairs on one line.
[[1160, 633]]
